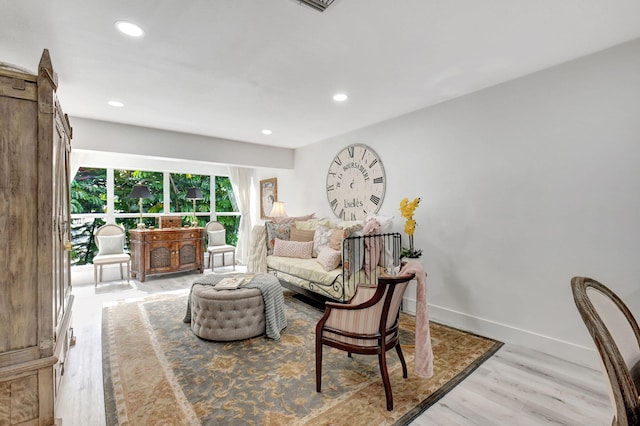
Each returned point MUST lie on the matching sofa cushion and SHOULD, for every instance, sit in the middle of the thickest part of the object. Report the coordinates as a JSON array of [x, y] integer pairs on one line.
[[301, 234], [299, 249], [276, 230], [329, 258]]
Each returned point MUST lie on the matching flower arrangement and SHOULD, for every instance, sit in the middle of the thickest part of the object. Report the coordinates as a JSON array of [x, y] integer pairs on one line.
[[407, 208]]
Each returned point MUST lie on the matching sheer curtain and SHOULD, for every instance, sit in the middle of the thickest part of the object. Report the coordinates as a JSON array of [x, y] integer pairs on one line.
[[241, 178]]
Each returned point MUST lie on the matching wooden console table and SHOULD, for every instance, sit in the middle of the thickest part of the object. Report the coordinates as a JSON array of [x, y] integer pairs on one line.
[[161, 251]]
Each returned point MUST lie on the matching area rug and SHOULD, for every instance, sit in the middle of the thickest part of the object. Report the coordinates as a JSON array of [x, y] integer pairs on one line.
[[156, 371]]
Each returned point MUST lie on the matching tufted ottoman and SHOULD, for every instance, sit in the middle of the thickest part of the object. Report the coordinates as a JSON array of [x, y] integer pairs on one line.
[[226, 315]]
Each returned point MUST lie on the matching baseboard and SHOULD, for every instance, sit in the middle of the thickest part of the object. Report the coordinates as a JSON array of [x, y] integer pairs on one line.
[[508, 334]]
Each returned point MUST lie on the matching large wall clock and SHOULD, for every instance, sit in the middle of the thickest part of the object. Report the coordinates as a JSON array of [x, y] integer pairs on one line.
[[356, 182]]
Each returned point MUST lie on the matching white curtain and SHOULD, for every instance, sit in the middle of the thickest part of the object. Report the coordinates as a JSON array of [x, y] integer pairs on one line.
[[76, 159], [241, 178]]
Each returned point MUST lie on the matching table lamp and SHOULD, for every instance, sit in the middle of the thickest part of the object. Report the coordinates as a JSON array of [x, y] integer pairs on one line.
[[140, 192], [194, 194], [278, 210]]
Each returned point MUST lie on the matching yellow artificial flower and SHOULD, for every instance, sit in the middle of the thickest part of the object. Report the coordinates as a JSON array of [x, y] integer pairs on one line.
[[407, 208], [410, 226]]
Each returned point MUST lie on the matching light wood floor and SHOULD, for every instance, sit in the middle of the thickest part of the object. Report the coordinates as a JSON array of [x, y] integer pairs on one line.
[[516, 386]]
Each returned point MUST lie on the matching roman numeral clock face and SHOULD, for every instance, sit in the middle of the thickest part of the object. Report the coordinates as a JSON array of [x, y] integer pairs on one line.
[[355, 183]]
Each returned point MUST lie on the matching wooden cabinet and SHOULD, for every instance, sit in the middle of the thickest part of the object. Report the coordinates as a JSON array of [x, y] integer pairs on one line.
[[160, 251], [35, 285]]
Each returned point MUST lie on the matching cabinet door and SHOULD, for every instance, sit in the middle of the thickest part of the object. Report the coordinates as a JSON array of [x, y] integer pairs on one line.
[[61, 219], [160, 257], [187, 254]]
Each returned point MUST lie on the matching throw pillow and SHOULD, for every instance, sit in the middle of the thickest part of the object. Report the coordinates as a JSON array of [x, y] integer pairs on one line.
[[386, 223], [329, 258], [354, 253], [292, 219], [312, 224], [321, 238], [110, 244], [336, 239], [276, 230], [300, 234], [372, 253], [299, 249], [217, 238]]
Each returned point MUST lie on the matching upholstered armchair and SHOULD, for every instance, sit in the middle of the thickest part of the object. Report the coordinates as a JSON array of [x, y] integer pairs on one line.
[[109, 239], [368, 325]]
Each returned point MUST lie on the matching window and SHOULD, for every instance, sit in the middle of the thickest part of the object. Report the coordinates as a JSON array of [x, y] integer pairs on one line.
[[92, 195], [88, 198], [180, 184], [226, 203]]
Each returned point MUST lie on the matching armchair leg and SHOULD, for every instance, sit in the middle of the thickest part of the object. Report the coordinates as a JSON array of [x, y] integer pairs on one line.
[[121, 274], [404, 364], [318, 364], [95, 275], [385, 380]]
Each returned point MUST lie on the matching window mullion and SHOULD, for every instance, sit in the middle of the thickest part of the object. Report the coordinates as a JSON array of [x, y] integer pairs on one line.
[[110, 197]]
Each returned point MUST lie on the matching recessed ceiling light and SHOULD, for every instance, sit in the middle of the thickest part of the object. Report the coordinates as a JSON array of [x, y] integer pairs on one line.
[[129, 29], [116, 104], [340, 97], [266, 132]]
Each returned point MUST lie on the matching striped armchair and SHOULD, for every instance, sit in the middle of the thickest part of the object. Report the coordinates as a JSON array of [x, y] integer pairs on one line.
[[367, 325]]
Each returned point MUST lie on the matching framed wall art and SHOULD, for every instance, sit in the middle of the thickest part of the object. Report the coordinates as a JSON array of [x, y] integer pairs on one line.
[[268, 196]]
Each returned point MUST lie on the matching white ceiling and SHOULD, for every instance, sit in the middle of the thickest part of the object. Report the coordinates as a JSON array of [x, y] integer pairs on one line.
[[230, 68]]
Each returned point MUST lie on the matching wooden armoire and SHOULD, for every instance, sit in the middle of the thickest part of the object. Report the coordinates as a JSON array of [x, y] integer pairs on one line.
[[35, 282]]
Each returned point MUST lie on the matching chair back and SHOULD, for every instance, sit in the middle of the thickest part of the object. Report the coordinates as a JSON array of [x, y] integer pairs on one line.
[[214, 226], [216, 234], [376, 314], [108, 230], [616, 335]]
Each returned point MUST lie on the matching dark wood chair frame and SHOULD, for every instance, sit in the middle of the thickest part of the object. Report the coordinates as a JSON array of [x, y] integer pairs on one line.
[[387, 337], [620, 376]]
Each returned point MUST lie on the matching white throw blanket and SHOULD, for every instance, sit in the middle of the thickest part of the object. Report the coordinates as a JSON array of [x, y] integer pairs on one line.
[[257, 261]]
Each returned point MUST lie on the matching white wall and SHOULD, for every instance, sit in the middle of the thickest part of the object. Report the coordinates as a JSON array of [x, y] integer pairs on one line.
[[524, 186]]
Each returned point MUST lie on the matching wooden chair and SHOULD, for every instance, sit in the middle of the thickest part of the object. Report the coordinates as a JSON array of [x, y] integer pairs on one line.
[[216, 243], [110, 241], [616, 336], [367, 325]]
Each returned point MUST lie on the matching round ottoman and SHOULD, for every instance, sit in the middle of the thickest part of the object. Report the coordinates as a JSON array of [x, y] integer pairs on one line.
[[226, 315]]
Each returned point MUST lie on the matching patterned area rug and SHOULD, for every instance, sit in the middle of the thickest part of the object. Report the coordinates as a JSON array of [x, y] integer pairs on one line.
[[156, 371]]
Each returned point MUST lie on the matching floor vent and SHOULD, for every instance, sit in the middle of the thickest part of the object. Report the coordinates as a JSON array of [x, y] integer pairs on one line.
[[320, 5]]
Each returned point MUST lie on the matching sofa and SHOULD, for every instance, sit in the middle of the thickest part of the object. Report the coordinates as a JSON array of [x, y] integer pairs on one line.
[[321, 258]]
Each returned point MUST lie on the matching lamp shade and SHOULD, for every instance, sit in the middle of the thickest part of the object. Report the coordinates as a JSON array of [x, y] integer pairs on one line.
[[278, 210], [194, 194], [140, 191]]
